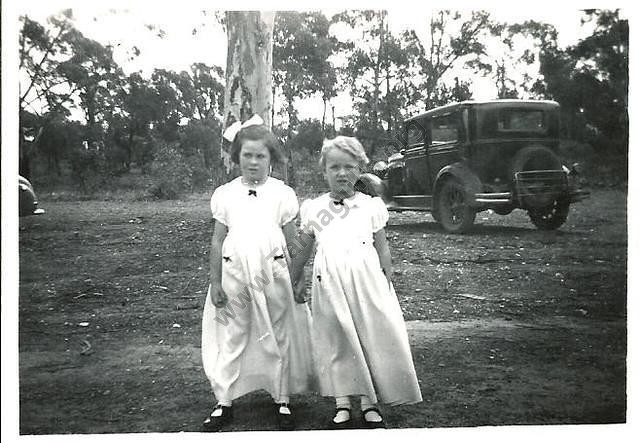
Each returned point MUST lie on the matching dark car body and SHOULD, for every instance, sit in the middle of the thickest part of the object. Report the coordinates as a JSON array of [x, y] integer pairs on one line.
[[27, 199], [463, 158]]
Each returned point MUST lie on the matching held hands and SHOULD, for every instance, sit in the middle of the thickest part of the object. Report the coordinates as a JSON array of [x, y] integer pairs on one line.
[[299, 291], [218, 297]]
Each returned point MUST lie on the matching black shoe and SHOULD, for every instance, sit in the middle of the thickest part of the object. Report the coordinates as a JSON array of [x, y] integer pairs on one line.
[[373, 424], [285, 421], [343, 424], [215, 423]]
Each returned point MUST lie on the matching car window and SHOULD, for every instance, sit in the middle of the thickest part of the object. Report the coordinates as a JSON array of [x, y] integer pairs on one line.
[[444, 129], [521, 120], [415, 134], [505, 121]]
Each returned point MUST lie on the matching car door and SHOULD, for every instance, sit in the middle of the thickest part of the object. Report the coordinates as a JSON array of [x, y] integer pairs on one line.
[[444, 141], [417, 179]]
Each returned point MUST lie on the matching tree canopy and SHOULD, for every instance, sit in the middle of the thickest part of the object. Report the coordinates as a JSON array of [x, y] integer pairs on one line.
[[74, 92]]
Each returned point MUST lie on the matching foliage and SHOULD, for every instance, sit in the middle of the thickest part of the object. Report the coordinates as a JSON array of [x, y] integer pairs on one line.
[[40, 49], [302, 48], [455, 40], [590, 81], [511, 75], [200, 142], [377, 74], [173, 119], [308, 138], [170, 173], [87, 167]]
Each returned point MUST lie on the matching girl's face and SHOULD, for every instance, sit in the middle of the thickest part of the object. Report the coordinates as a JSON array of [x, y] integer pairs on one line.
[[255, 160], [341, 170]]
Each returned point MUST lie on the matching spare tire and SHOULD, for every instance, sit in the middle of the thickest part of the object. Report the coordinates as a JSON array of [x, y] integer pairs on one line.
[[535, 158]]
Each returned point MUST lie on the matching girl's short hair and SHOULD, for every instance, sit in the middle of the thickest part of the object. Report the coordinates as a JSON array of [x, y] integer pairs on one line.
[[257, 133], [349, 145]]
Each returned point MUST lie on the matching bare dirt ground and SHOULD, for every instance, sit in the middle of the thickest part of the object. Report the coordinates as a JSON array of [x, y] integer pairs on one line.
[[508, 324]]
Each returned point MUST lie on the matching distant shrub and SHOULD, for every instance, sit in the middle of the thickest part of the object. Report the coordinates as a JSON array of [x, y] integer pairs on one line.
[[87, 168], [170, 175], [173, 174]]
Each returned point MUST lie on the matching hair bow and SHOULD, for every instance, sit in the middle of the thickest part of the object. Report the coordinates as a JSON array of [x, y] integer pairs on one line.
[[231, 132]]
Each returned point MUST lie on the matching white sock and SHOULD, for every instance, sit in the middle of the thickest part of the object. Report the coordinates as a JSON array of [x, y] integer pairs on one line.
[[371, 416], [283, 401], [342, 416], [217, 412]]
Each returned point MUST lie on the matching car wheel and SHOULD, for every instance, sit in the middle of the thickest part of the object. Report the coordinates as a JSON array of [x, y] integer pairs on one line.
[[550, 217], [453, 213]]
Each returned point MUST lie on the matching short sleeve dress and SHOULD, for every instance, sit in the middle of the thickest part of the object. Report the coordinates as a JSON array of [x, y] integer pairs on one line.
[[260, 339], [358, 334]]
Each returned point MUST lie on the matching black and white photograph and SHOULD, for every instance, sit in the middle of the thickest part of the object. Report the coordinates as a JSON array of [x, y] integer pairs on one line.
[[340, 220]]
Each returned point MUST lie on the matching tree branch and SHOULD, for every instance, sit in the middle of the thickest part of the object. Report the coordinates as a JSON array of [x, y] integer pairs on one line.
[[38, 67]]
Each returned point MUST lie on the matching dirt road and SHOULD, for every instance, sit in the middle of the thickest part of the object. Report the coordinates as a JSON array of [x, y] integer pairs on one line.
[[509, 325]]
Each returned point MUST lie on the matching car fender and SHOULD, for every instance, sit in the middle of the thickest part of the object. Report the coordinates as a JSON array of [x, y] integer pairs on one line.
[[460, 171], [27, 200], [373, 185]]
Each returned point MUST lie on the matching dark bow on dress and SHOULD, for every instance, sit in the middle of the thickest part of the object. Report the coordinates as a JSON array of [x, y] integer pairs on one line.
[[253, 192]]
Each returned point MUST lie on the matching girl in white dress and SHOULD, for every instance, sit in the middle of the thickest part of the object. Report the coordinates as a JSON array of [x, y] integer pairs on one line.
[[359, 339], [254, 335]]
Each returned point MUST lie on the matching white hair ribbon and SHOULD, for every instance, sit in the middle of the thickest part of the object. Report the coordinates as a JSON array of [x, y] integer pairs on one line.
[[231, 132]]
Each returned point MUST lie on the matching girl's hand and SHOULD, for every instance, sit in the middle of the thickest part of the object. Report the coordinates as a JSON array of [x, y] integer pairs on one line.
[[218, 297], [387, 274], [299, 291]]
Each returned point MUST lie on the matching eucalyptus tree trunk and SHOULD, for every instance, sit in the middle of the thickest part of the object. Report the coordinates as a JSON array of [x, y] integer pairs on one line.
[[377, 70], [248, 89], [333, 120], [289, 172]]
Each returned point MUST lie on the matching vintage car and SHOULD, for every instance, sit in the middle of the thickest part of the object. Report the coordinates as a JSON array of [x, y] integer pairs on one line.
[[467, 157], [27, 200]]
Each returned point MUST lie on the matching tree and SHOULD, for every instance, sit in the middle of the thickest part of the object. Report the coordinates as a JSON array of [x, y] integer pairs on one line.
[[521, 47], [40, 51], [454, 41], [129, 129], [92, 73], [207, 97], [248, 74], [309, 138], [364, 69], [301, 51], [591, 79], [377, 73]]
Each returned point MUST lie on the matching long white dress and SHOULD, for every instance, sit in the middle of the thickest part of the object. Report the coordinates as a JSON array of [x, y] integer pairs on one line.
[[260, 339], [358, 334]]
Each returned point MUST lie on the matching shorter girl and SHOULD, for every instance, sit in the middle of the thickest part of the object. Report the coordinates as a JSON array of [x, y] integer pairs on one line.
[[254, 335], [359, 337]]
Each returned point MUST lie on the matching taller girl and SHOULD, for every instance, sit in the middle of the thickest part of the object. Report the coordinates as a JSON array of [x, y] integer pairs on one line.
[[360, 342], [254, 335]]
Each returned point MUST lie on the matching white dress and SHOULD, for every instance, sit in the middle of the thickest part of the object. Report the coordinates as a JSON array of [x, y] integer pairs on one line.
[[358, 334], [260, 339]]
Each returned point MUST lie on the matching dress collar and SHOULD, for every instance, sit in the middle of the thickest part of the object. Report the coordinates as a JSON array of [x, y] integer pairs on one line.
[[351, 202], [240, 182]]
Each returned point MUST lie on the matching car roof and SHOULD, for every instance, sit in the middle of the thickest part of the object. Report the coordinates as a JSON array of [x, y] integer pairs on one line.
[[467, 103]]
